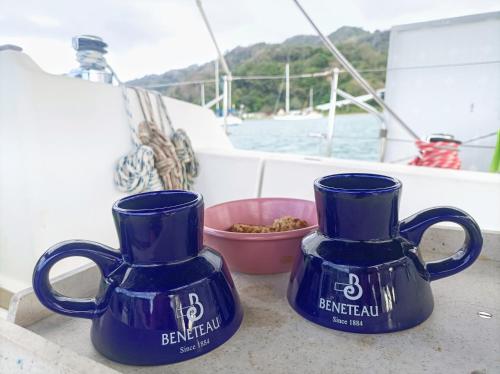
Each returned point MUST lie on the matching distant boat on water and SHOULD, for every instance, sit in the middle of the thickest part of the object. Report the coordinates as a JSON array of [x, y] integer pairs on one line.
[[297, 115], [231, 120]]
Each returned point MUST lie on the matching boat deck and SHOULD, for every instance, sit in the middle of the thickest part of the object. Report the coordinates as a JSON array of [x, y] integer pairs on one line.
[[273, 338]]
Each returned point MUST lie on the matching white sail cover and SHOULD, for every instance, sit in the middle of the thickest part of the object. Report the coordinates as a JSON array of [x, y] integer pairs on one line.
[[444, 77]]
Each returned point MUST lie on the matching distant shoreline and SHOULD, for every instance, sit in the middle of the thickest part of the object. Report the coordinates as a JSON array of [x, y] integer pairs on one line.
[[261, 116]]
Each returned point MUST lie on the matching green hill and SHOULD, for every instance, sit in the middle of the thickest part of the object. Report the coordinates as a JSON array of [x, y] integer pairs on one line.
[[305, 53]]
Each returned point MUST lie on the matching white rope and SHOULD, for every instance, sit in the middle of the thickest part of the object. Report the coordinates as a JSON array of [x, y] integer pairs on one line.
[[159, 160], [135, 172]]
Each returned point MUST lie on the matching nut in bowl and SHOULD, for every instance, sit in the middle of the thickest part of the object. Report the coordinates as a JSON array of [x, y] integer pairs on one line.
[[250, 233]]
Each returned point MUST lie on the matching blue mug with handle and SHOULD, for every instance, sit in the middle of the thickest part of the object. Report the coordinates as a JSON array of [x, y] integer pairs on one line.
[[164, 297], [361, 271]]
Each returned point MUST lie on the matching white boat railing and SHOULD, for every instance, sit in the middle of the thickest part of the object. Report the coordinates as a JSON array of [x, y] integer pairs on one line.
[[331, 112], [214, 101]]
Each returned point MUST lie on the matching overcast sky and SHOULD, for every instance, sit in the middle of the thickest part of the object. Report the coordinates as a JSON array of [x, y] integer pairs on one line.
[[152, 36]]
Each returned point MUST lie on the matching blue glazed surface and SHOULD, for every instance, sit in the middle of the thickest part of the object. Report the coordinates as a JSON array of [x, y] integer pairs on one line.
[[165, 298], [362, 271]]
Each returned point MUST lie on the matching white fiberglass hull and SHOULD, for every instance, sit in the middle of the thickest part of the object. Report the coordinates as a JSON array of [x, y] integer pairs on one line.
[[58, 153]]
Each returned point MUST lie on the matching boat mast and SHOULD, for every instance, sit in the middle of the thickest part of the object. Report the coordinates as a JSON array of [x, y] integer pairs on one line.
[[202, 94], [311, 99], [287, 88], [229, 88]]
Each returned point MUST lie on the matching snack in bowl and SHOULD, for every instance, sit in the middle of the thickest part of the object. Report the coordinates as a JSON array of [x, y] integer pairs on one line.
[[267, 234], [285, 223]]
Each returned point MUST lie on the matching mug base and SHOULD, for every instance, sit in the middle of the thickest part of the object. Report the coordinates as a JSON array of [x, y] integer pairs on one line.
[[229, 332], [380, 328], [171, 323]]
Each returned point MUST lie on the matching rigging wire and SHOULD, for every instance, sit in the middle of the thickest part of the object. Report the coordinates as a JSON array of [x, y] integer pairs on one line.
[[353, 72], [443, 65], [212, 36], [494, 133], [464, 144], [324, 73]]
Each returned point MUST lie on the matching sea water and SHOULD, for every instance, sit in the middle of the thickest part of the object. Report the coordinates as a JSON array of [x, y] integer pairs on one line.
[[355, 136]]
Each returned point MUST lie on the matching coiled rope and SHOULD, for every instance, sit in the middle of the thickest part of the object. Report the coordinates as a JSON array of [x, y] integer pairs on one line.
[[135, 172], [437, 154], [183, 148], [158, 161]]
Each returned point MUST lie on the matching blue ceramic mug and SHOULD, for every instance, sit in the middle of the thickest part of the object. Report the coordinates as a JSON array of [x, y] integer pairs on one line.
[[165, 298], [362, 271]]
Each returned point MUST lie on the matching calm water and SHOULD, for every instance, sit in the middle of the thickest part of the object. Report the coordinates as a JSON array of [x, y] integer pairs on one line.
[[355, 136]]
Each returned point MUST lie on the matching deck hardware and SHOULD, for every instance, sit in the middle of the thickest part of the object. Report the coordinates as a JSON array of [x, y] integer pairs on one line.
[[485, 315]]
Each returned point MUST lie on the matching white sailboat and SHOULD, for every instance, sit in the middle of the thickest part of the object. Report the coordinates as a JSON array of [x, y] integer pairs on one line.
[[296, 115]]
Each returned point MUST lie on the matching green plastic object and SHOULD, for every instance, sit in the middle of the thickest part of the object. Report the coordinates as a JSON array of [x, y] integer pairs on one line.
[[495, 163]]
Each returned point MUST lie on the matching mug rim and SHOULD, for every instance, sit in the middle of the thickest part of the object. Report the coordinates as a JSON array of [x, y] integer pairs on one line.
[[319, 184], [196, 200]]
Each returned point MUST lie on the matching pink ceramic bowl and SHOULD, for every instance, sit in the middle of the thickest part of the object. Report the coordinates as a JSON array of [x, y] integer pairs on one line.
[[258, 253]]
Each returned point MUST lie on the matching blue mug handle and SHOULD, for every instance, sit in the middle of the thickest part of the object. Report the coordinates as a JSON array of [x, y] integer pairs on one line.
[[106, 259], [412, 228]]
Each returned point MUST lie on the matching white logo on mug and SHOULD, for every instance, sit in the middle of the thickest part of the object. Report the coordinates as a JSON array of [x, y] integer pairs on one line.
[[351, 290], [194, 311]]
